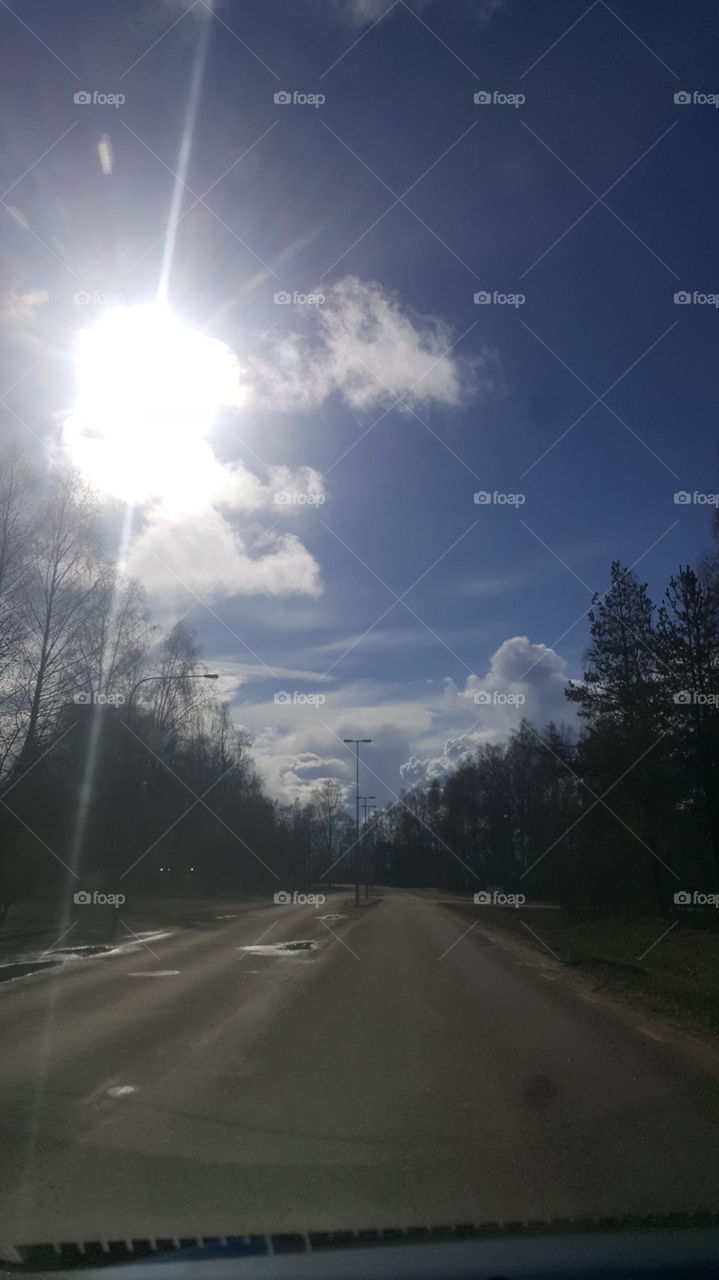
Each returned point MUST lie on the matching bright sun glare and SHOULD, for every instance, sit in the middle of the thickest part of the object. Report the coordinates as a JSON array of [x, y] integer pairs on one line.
[[148, 391]]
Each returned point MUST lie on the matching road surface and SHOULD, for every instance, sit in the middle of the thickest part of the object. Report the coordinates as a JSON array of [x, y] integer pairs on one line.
[[397, 1074]]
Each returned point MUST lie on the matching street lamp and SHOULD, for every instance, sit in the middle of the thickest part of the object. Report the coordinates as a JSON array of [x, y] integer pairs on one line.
[[356, 743], [366, 806]]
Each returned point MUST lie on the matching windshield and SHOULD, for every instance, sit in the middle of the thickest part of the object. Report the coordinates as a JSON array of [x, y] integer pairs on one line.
[[359, 625]]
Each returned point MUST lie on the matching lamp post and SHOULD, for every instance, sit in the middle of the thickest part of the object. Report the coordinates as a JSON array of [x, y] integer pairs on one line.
[[366, 806], [356, 743]]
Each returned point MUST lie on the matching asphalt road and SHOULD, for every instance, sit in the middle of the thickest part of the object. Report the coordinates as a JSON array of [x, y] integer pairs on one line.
[[397, 1074]]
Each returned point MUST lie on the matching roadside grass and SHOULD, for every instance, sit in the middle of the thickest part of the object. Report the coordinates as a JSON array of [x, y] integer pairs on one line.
[[676, 975]]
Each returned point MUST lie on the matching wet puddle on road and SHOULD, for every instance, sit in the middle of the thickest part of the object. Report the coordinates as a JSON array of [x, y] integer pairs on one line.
[[338, 917], [60, 957], [84, 951], [154, 973], [280, 948]]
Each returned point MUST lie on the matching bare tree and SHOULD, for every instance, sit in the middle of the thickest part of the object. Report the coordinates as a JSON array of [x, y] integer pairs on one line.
[[328, 806], [55, 598], [17, 484]]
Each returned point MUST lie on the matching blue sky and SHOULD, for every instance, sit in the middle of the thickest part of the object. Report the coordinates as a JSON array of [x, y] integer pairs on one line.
[[394, 400]]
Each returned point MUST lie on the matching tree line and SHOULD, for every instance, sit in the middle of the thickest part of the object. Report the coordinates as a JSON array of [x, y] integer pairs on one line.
[[119, 769], [117, 763], [618, 817]]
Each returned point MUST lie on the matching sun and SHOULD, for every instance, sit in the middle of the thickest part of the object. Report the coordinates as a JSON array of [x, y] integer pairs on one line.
[[149, 388]]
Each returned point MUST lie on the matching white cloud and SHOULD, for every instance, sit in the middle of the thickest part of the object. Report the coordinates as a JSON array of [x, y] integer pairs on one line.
[[414, 738], [415, 771], [289, 772], [363, 344], [177, 555], [17, 306], [535, 672]]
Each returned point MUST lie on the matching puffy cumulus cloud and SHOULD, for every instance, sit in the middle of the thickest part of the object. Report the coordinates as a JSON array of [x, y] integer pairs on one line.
[[296, 744], [361, 343], [534, 672], [177, 555], [416, 736], [522, 680], [288, 772], [415, 772]]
